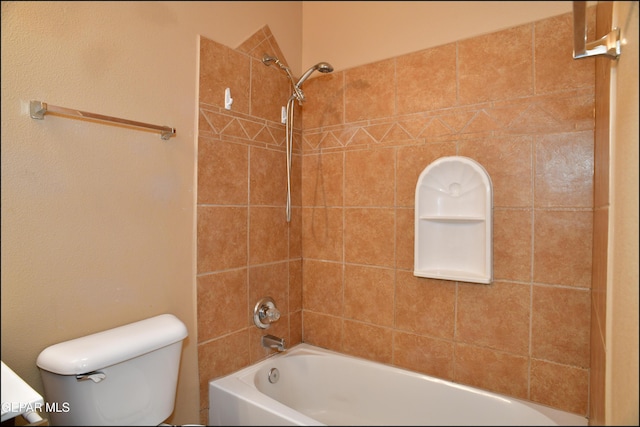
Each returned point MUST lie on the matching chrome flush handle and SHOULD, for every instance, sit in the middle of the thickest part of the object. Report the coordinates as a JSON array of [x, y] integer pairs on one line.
[[95, 376]]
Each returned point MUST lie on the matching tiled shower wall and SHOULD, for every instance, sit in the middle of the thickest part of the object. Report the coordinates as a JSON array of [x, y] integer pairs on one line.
[[516, 102], [342, 271], [246, 249]]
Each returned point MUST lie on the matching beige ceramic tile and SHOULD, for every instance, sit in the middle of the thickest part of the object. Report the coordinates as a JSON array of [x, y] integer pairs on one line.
[[411, 162], [322, 231], [322, 330], [204, 414], [369, 178], [267, 177], [560, 386], [496, 316], [426, 80], [261, 43], [423, 354], [512, 253], [459, 121], [322, 179], [221, 68], [397, 135], [296, 180], [368, 341], [221, 357], [369, 294], [212, 121], [270, 90], [492, 370], [508, 162], [481, 124], [369, 236], [564, 170], [295, 285], [555, 68], [222, 238], [322, 288], [295, 232], [597, 369], [363, 136], [439, 130], [562, 247], [295, 328], [205, 128], [235, 131], [275, 132], [255, 131], [570, 111], [496, 66], [259, 37], [369, 91], [222, 172], [271, 280], [224, 292], [324, 105], [405, 242], [425, 306], [560, 320], [602, 107], [600, 254], [268, 235]]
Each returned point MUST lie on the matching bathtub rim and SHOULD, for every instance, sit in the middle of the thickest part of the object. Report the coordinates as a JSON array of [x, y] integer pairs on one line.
[[240, 384]]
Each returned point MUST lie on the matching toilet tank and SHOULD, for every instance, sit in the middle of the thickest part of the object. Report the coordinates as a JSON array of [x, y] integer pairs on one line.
[[122, 376]]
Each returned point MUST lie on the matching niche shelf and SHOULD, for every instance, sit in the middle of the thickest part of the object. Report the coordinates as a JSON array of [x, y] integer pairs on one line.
[[453, 221]]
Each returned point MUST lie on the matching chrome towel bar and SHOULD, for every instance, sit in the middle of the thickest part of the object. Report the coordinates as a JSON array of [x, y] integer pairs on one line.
[[38, 109], [608, 45]]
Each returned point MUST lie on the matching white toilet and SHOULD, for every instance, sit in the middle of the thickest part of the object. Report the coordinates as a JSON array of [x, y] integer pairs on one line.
[[122, 376]]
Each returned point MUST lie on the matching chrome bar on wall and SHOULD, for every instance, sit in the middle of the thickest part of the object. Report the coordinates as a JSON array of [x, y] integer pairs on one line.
[[608, 45], [38, 109]]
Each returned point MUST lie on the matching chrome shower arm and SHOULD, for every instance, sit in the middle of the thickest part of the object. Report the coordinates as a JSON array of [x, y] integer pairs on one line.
[[297, 94]]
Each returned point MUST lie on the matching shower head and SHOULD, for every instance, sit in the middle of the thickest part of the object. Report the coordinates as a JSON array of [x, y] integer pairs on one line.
[[267, 60], [323, 67]]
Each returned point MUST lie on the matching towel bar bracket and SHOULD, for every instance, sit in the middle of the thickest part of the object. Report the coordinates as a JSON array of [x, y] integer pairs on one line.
[[609, 45], [37, 110]]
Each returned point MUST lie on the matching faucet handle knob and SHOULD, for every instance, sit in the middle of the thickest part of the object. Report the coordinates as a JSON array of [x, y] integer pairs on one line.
[[265, 312], [271, 314]]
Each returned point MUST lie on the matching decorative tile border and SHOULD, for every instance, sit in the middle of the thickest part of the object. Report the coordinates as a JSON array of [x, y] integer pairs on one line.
[[560, 112]]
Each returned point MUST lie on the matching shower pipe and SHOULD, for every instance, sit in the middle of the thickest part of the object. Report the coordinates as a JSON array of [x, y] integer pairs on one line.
[[298, 95]]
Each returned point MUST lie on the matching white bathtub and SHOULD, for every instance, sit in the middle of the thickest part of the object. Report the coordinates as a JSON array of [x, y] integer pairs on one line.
[[320, 387]]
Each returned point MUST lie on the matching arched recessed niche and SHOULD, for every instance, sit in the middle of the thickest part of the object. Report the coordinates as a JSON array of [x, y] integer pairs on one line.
[[453, 221]]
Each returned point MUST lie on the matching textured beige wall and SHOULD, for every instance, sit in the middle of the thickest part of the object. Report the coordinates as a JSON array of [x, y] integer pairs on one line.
[[614, 319], [352, 33], [622, 293], [98, 222]]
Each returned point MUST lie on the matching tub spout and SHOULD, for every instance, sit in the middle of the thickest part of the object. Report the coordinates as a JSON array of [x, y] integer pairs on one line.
[[269, 341]]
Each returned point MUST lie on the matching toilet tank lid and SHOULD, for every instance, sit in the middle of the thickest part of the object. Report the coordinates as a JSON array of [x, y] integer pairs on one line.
[[106, 348]]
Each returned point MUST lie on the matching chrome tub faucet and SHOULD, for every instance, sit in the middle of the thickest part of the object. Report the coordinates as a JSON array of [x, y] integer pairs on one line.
[[269, 341]]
